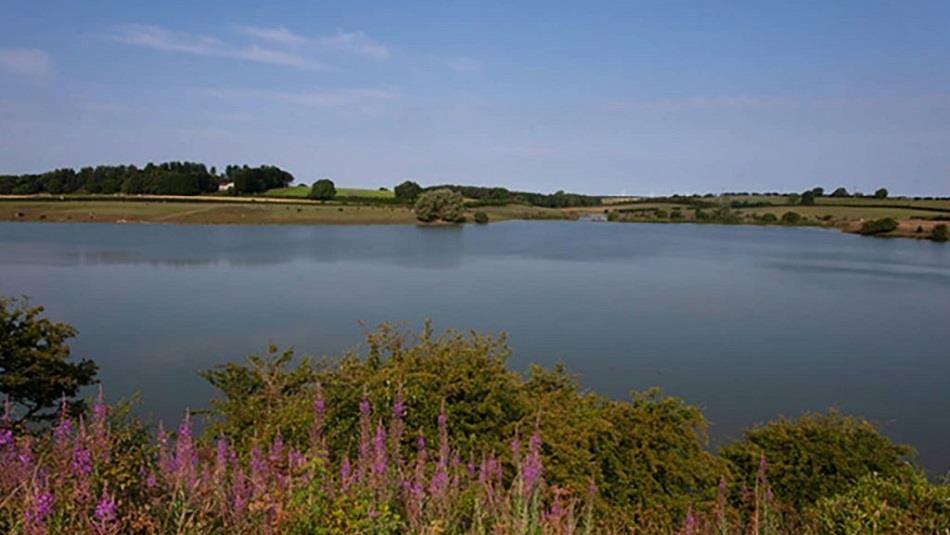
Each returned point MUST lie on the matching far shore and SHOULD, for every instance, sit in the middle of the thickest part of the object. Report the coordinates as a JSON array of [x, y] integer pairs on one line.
[[915, 219]]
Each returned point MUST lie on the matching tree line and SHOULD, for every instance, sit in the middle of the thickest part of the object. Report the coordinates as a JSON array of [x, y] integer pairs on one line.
[[168, 178], [409, 191]]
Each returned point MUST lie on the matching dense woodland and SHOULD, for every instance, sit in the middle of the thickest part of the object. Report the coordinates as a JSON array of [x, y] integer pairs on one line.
[[169, 178]]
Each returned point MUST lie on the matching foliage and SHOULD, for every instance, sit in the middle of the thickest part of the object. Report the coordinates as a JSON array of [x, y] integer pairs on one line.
[[257, 179], [880, 505], [496, 196], [768, 218], [408, 191], [840, 192], [939, 233], [807, 198], [481, 218], [791, 218], [111, 477], [647, 453], [35, 371], [881, 193], [169, 178], [440, 205], [817, 455], [879, 226], [323, 189], [818, 191]]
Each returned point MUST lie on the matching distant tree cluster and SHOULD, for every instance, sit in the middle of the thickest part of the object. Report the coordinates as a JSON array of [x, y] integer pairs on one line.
[[257, 179], [407, 192], [169, 178], [496, 195]]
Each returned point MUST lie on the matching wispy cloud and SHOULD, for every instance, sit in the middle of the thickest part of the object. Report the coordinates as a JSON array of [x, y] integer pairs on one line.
[[342, 41], [278, 35], [26, 63], [314, 99], [356, 43], [158, 38]]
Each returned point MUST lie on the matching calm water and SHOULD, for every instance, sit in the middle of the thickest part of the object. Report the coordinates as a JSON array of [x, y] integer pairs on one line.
[[747, 322]]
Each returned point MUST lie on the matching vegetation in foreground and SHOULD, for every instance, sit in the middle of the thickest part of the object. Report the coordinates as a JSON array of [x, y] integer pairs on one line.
[[432, 434]]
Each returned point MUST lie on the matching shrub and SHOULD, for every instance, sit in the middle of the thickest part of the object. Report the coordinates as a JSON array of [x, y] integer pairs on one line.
[[769, 218], [939, 233], [878, 226], [816, 456], [481, 218], [676, 214], [791, 218], [440, 205], [880, 505], [323, 190], [880, 194], [807, 199], [645, 453], [840, 192]]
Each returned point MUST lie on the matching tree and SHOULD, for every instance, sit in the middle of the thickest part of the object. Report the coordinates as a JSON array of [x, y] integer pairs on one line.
[[35, 372], [807, 199], [481, 218], [323, 190], [939, 233], [881, 193], [408, 191], [840, 192], [440, 205], [818, 191]]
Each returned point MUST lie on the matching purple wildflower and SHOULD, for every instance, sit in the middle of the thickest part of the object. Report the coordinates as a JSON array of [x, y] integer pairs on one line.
[[81, 461], [40, 506], [532, 468], [6, 437], [689, 526], [379, 451], [185, 458], [105, 508]]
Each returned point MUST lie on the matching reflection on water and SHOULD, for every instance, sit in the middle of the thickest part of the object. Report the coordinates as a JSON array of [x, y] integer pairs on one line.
[[747, 322]]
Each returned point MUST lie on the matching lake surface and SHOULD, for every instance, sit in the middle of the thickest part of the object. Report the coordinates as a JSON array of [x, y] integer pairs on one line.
[[746, 322]]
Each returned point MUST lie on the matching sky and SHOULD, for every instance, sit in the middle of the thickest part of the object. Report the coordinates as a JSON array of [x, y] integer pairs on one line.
[[592, 97]]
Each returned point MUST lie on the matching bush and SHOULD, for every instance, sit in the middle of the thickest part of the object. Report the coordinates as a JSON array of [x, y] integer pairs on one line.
[[878, 226], [323, 190], [816, 456], [880, 194], [840, 192], [440, 205], [768, 218], [939, 233], [880, 505], [648, 452], [791, 218], [481, 218], [807, 199]]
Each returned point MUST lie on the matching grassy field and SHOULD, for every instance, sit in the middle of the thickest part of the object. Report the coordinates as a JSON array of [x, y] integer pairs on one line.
[[209, 212], [302, 192]]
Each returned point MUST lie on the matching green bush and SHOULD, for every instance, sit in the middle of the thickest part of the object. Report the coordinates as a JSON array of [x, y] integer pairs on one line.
[[880, 505], [791, 218], [481, 218], [817, 455], [879, 226], [440, 205], [646, 453], [939, 233], [769, 218]]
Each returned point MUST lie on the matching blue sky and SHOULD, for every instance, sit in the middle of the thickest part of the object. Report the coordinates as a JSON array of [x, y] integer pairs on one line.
[[595, 97]]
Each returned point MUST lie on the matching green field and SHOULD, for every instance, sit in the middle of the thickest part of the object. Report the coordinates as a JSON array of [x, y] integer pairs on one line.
[[297, 192]]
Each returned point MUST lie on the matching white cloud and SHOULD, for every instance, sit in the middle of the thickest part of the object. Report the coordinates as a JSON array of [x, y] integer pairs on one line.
[[158, 38], [314, 99], [26, 62], [279, 35], [356, 43]]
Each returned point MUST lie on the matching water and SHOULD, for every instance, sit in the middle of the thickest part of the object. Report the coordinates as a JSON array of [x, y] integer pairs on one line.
[[746, 322]]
